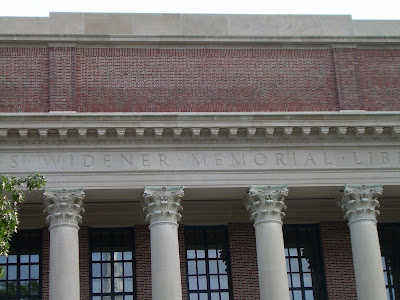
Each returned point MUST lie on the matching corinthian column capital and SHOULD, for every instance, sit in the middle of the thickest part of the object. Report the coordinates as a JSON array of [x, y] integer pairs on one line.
[[163, 204], [359, 202], [64, 206], [265, 203]]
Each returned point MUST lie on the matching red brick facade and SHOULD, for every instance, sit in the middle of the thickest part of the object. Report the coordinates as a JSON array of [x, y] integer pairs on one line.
[[198, 80], [336, 252], [338, 260]]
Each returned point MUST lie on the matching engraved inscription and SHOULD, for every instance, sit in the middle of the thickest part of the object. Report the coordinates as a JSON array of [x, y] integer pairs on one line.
[[194, 160]]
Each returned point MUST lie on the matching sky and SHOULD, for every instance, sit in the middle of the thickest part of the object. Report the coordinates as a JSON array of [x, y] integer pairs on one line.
[[359, 9]]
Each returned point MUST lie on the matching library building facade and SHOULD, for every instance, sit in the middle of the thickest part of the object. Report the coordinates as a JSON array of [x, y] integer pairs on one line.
[[202, 157]]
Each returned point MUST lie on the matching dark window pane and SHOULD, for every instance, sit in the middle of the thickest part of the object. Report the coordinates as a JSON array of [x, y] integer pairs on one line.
[[24, 258], [192, 283], [213, 267], [304, 262], [112, 264], [224, 296], [35, 258], [191, 254], [12, 259], [12, 272], [106, 285], [191, 267], [118, 269], [214, 296], [34, 287], [128, 255], [201, 253], [207, 256], [96, 270], [202, 282], [96, 285], [128, 282], [193, 297], [118, 285], [389, 236], [3, 287], [212, 253], [201, 267], [96, 256], [203, 297], [128, 269], [223, 281], [214, 282], [24, 272], [117, 256], [24, 287], [34, 272]]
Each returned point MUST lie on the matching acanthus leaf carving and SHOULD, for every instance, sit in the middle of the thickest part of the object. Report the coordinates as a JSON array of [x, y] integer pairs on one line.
[[64, 206], [163, 204], [265, 203], [360, 202]]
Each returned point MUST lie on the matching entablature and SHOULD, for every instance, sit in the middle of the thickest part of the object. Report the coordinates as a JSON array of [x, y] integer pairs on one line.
[[187, 126]]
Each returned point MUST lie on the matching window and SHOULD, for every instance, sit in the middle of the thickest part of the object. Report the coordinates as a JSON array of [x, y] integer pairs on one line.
[[304, 262], [389, 235], [22, 267], [208, 264], [112, 264]]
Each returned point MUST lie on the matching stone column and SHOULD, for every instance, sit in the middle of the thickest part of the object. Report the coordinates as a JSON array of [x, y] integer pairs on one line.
[[359, 202], [64, 208], [162, 206], [265, 204]]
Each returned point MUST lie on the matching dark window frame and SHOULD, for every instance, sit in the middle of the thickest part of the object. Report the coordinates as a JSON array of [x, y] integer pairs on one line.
[[16, 250], [318, 259], [392, 262], [112, 294], [204, 231]]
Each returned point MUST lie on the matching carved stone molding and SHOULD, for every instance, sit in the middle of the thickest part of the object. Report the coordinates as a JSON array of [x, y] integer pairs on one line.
[[245, 132], [163, 204], [265, 203], [359, 202], [64, 206]]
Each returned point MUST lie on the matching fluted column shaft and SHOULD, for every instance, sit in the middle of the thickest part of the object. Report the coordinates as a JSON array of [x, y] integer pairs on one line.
[[162, 206], [265, 204], [360, 204], [64, 208]]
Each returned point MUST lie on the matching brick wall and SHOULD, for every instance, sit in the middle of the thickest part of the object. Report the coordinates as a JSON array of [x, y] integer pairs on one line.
[[202, 80], [338, 261], [45, 262], [379, 79], [143, 262], [84, 262], [242, 243], [24, 84]]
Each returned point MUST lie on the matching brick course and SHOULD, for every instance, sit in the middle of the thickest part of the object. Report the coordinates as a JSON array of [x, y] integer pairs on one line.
[[242, 243], [338, 261], [197, 80]]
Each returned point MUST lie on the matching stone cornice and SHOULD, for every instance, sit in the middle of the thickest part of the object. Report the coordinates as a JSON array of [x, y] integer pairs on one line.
[[265, 203], [89, 126], [188, 30], [64, 206], [360, 202], [162, 204]]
